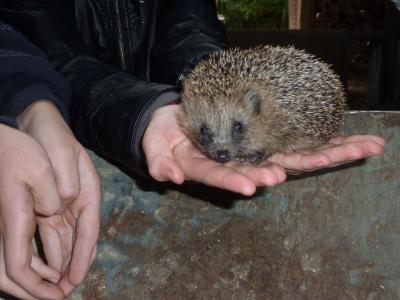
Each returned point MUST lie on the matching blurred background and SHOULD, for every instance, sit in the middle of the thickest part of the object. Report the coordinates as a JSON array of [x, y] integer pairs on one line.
[[359, 38]]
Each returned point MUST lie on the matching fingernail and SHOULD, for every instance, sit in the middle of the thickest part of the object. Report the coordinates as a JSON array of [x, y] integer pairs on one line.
[[54, 280], [171, 176], [248, 190]]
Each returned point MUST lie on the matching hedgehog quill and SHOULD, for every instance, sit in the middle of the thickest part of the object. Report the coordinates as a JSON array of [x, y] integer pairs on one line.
[[249, 104]]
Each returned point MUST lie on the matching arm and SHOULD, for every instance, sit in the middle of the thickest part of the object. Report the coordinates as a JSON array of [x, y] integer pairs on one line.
[[69, 237], [110, 109], [22, 272], [113, 109], [187, 31], [33, 96], [26, 76]]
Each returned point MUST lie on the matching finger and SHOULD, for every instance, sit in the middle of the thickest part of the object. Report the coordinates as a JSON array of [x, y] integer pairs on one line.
[[66, 285], [271, 175], [67, 236], [58, 235], [44, 190], [159, 158], [94, 253], [265, 174], [351, 151], [86, 239], [11, 288], [19, 226], [198, 168], [51, 246], [44, 270], [7, 285], [214, 174], [342, 150], [65, 166], [301, 161], [88, 223], [358, 138], [337, 139], [163, 168]]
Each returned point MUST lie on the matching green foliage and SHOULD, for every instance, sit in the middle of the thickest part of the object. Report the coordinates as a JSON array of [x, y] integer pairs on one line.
[[254, 13]]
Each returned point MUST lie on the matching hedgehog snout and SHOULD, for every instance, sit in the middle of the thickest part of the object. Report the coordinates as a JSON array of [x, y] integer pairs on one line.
[[223, 156]]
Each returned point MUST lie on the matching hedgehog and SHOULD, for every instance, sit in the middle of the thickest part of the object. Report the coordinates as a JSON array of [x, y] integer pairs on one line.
[[247, 104]]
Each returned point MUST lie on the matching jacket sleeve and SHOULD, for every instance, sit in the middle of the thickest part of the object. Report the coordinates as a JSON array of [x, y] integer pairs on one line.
[[110, 109], [187, 32], [26, 76]]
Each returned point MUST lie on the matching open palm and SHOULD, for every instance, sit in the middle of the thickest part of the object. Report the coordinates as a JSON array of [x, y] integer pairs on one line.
[[172, 156]]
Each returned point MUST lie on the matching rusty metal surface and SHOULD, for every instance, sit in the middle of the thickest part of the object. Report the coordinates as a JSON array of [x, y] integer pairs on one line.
[[332, 235]]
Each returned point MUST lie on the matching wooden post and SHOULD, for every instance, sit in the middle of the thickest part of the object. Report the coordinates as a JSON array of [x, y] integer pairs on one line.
[[294, 13], [301, 14], [391, 59]]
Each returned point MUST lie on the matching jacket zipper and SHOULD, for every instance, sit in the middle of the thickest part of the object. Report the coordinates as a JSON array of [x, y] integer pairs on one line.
[[141, 9], [120, 36], [124, 39]]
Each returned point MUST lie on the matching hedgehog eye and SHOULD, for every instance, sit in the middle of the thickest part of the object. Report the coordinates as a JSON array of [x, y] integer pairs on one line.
[[205, 136], [237, 127], [204, 130]]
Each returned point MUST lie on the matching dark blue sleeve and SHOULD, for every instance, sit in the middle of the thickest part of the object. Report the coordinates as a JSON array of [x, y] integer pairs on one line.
[[8, 121], [26, 76]]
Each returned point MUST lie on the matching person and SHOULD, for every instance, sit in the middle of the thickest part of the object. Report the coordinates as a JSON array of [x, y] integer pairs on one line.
[[124, 60], [47, 178]]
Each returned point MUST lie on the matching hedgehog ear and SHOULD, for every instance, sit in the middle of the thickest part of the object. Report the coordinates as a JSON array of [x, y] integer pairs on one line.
[[254, 98]]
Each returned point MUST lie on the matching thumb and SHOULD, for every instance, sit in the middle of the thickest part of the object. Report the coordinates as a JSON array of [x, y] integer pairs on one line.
[[42, 184], [161, 163], [18, 230]]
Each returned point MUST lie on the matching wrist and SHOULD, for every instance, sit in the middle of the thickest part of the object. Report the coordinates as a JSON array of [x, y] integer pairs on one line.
[[174, 102], [40, 109], [8, 121]]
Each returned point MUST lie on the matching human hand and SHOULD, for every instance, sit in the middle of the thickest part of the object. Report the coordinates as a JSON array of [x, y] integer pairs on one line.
[[69, 238], [172, 156], [25, 172], [337, 151]]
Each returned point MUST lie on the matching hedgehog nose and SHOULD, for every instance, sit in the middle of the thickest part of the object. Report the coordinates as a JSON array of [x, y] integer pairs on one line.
[[223, 156]]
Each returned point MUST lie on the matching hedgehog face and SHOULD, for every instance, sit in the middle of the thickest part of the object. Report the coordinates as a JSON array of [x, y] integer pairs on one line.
[[221, 126], [222, 144]]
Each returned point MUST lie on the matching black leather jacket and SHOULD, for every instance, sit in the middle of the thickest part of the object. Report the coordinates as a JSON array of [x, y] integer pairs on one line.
[[123, 59]]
